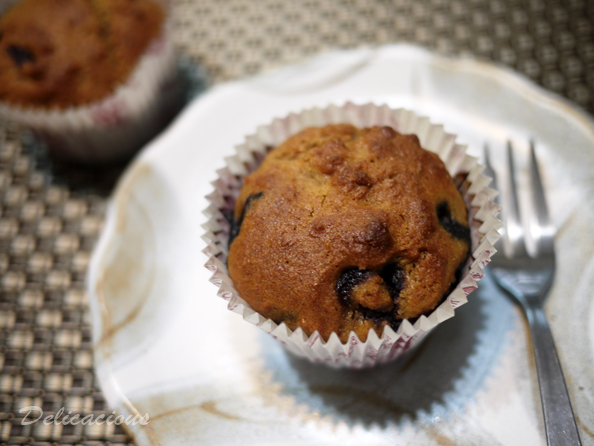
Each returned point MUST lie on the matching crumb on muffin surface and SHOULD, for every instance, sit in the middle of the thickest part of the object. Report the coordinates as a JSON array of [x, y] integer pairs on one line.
[[61, 53], [343, 229]]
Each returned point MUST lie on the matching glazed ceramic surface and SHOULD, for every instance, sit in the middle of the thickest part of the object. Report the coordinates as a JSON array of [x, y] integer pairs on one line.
[[166, 345]]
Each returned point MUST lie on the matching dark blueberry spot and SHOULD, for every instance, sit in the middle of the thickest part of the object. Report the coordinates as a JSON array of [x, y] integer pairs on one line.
[[236, 223], [234, 230], [395, 323], [457, 230], [393, 276], [20, 55], [378, 316], [349, 280]]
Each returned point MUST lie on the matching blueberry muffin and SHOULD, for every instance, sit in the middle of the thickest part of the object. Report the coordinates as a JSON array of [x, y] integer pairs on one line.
[[62, 53], [343, 229]]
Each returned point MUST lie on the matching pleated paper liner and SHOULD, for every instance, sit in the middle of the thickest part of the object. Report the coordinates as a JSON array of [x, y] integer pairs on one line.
[[391, 344]]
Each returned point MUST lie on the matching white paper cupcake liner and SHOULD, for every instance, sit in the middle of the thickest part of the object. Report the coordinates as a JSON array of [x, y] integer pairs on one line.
[[391, 344], [117, 126]]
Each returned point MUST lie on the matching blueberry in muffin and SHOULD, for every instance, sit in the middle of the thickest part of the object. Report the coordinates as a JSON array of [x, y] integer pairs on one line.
[[343, 229]]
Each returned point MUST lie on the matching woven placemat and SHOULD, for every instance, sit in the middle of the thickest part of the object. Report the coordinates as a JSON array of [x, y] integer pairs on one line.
[[52, 214]]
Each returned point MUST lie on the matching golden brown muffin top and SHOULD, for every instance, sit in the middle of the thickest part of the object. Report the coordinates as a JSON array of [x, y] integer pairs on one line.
[[344, 229], [61, 53]]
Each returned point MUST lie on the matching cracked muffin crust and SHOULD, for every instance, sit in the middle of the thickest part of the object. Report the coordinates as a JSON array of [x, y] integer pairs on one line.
[[343, 229]]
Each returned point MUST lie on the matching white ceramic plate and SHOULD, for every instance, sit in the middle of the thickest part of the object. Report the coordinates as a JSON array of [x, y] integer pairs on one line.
[[166, 346]]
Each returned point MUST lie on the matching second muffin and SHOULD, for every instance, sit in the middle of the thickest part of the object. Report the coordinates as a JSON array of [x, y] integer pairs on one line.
[[66, 53], [94, 79], [343, 229]]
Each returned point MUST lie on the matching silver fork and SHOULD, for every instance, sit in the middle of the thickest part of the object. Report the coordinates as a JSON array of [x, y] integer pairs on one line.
[[528, 279]]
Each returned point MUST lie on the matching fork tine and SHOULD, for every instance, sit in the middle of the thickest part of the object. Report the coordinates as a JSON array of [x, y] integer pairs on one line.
[[515, 231], [490, 172], [542, 231], [489, 168]]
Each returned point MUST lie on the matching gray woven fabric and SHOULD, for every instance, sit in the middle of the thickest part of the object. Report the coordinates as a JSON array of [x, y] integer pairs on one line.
[[51, 215], [550, 41]]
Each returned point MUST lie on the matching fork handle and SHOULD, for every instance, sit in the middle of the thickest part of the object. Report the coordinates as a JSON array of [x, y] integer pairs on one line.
[[559, 420]]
